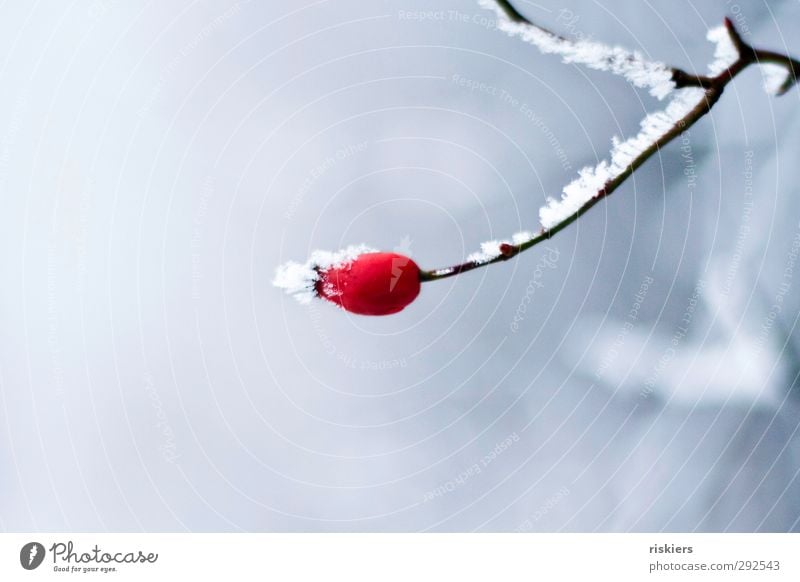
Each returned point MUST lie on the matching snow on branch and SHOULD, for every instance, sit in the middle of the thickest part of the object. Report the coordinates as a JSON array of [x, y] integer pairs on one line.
[[776, 78], [655, 76], [494, 248], [725, 54], [592, 181], [692, 97]]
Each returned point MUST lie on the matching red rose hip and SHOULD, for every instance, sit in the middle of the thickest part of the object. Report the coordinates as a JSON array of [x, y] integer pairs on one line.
[[371, 284]]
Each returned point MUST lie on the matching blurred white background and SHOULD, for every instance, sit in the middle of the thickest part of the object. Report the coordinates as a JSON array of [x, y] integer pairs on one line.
[[159, 160]]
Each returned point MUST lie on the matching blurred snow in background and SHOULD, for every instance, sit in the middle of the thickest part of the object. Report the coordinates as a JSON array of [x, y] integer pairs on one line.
[[158, 161]]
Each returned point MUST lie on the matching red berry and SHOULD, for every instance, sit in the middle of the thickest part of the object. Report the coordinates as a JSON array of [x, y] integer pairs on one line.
[[371, 284]]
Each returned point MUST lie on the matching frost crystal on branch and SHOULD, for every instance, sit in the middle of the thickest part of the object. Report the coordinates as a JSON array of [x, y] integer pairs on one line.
[[519, 238], [492, 249], [775, 78], [489, 250], [657, 77], [651, 75], [298, 279], [592, 180], [725, 53]]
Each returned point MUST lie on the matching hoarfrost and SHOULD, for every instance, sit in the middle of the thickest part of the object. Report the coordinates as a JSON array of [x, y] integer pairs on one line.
[[298, 279]]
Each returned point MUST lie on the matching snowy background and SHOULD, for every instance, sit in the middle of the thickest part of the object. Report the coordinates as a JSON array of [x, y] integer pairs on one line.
[[158, 161]]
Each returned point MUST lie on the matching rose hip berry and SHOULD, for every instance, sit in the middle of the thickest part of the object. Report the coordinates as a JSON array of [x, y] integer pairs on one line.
[[371, 284]]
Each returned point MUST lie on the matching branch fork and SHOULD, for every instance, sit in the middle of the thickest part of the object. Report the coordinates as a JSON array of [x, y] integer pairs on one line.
[[342, 277], [712, 87]]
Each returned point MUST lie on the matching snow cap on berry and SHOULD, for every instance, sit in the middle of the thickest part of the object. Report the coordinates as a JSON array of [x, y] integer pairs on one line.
[[357, 279]]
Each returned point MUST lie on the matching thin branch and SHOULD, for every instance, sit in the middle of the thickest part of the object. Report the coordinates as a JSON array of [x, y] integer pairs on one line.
[[513, 14], [712, 86]]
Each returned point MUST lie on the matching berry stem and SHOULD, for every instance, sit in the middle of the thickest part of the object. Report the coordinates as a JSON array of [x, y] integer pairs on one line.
[[713, 87]]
